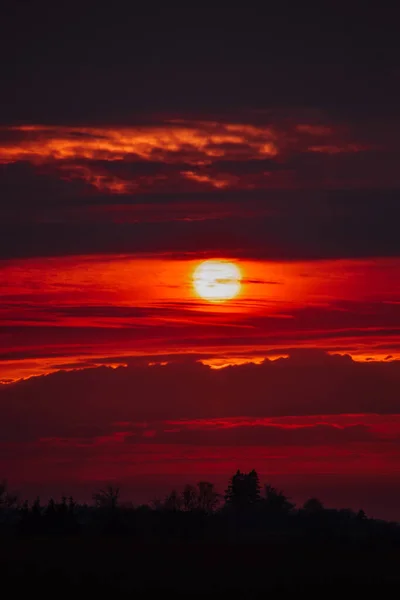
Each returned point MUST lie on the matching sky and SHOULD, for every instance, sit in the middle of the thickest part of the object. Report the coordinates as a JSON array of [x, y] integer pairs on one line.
[[136, 144]]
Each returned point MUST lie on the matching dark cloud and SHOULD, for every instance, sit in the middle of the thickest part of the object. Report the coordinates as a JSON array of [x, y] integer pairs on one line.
[[372, 233], [335, 198], [307, 383], [261, 282], [157, 61]]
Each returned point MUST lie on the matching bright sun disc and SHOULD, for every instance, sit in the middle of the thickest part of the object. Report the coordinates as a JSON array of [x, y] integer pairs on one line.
[[217, 280]]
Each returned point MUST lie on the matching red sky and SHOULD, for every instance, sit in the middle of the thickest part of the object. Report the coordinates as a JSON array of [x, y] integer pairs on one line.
[[121, 170], [63, 312]]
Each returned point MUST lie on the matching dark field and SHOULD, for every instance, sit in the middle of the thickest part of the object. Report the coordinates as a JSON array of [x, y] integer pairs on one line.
[[252, 543], [112, 563]]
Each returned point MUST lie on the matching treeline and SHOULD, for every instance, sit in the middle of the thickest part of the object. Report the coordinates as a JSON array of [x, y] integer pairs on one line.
[[198, 512]]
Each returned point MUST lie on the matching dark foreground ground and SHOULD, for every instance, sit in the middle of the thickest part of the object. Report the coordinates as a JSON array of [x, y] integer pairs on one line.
[[111, 564]]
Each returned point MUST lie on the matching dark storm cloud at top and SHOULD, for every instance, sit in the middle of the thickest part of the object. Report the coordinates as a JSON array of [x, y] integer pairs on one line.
[[68, 64], [136, 67]]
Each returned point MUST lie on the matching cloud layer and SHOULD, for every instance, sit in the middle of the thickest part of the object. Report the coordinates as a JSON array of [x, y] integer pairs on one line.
[[277, 186], [306, 383], [310, 415]]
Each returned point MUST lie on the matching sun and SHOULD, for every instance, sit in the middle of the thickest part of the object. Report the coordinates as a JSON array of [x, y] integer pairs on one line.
[[217, 280]]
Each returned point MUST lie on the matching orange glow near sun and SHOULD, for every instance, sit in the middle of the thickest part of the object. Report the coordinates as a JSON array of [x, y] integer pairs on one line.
[[217, 280]]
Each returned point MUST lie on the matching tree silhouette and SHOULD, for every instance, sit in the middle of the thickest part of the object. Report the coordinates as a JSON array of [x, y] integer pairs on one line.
[[243, 490], [244, 515], [36, 507], [107, 498], [189, 498], [172, 502], [157, 504], [7, 499], [51, 509], [312, 506], [202, 497], [63, 507], [71, 504], [276, 502], [316, 540], [361, 515], [207, 497]]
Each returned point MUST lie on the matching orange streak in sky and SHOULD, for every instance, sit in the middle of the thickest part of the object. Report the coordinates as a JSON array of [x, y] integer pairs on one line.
[[43, 143]]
